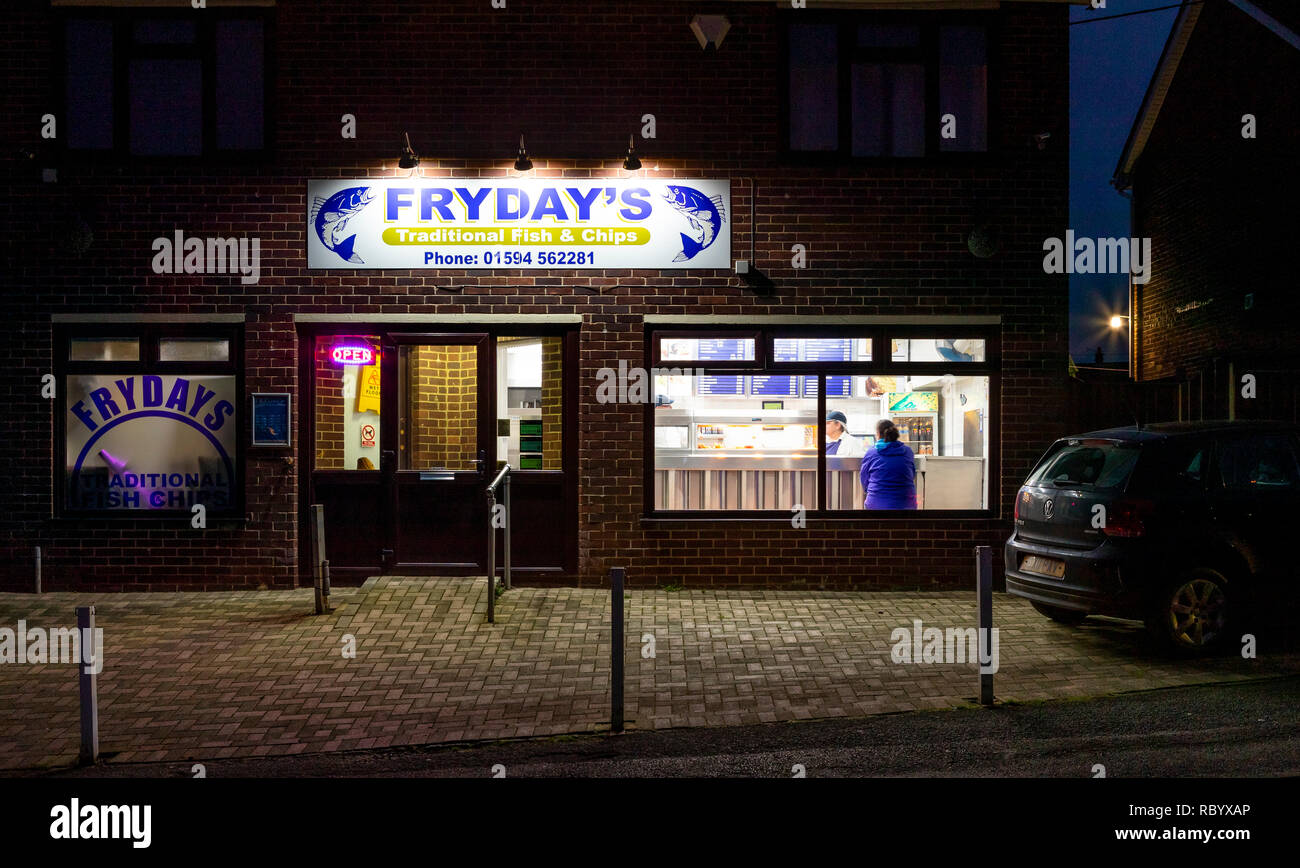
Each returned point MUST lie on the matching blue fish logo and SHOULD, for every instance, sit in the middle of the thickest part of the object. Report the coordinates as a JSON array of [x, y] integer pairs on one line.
[[705, 215], [330, 218]]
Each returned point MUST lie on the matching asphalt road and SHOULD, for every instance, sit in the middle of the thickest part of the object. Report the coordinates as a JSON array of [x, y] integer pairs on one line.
[[1225, 730]]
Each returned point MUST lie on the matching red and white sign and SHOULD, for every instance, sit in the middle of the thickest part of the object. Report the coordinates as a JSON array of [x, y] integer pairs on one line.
[[367, 436]]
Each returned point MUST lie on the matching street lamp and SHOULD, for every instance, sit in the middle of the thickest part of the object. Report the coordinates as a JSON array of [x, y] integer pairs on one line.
[[1117, 321]]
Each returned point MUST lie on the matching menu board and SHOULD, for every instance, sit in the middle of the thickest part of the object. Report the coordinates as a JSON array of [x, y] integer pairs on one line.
[[828, 350], [779, 386], [836, 387], [812, 349], [726, 384], [725, 349]]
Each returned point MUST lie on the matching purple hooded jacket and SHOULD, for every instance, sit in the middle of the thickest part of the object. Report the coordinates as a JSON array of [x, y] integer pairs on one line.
[[889, 476]]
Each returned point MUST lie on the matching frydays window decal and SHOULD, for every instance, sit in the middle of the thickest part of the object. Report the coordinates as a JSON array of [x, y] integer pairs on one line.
[[150, 442], [597, 223]]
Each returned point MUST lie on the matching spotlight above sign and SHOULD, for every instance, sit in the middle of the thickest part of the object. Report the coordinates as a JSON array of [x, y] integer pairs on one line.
[[484, 223]]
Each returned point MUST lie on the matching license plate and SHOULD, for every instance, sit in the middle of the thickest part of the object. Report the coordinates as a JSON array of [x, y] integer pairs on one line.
[[1043, 566]]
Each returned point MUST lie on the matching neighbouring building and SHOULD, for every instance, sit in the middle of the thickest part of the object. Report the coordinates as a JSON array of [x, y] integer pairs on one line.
[[1210, 166], [264, 255]]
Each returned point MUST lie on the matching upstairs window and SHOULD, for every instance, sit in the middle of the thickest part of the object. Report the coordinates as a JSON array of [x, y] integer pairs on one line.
[[884, 86], [164, 83]]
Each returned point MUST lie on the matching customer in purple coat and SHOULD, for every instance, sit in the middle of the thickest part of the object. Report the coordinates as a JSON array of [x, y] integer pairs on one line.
[[889, 471]]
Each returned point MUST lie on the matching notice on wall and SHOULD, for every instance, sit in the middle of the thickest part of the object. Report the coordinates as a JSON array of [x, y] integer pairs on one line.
[[526, 223]]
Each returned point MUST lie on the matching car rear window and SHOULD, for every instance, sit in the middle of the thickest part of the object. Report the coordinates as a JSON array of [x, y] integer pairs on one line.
[[1096, 464]]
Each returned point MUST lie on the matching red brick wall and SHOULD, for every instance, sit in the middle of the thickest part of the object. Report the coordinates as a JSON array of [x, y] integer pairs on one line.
[[465, 80]]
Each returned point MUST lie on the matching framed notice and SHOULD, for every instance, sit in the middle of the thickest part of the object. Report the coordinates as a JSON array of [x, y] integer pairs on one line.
[[271, 418]]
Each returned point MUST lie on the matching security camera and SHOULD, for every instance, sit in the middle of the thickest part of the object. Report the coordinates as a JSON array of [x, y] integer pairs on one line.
[[1041, 140]]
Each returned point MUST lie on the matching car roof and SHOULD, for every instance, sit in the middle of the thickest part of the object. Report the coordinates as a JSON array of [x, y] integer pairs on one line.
[[1167, 430]]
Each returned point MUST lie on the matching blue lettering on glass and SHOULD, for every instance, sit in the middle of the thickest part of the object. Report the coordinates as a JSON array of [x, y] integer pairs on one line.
[[180, 395]]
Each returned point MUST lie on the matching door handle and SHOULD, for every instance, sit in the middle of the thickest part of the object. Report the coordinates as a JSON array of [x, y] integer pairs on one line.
[[481, 462]]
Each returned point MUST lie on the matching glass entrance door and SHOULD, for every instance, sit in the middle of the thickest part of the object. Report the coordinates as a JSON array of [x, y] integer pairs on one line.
[[438, 452]]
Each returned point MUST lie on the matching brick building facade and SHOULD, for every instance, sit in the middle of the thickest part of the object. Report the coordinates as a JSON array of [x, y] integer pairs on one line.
[[1210, 166], [888, 241]]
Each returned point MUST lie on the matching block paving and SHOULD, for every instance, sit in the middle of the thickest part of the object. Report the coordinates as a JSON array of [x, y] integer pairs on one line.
[[194, 675]]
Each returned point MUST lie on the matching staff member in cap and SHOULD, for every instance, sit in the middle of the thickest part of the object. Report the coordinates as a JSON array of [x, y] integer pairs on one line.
[[841, 442], [888, 474]]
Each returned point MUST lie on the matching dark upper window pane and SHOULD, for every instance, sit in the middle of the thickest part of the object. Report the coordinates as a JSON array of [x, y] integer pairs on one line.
[[166, 107], [889, 36], [963, 86], [89, 69], [814, 105], [239, 80], [888, 109], [165, 31]]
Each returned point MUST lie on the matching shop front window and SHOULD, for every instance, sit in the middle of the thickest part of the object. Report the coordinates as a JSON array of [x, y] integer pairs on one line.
[[736, 440], [348, 369], [530, 402], [143, 434]]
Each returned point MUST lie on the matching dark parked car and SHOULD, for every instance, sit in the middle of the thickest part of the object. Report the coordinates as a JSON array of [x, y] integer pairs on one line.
[[1187, 526]]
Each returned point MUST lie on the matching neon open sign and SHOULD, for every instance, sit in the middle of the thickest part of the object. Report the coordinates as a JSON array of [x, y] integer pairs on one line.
[[351, 355]]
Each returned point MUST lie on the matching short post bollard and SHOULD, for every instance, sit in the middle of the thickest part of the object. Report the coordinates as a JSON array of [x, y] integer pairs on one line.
[[318, 555], [506, 503], [325, 584], [89, 688], [984, 589], [616, 649], [492, 559], [38, 569]]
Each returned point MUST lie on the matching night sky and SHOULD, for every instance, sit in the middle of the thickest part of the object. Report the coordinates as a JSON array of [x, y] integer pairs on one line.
[[1111, 63]]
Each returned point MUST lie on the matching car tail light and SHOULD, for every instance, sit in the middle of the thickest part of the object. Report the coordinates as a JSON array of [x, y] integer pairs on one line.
[[1016, 516], [1127, 518]]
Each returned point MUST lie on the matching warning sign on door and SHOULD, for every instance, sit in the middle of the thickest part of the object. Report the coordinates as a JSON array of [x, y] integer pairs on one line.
[[367, 436]]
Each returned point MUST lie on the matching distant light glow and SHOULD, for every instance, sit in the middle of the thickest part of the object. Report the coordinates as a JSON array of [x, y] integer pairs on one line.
[[1116, 322], [353, 355]]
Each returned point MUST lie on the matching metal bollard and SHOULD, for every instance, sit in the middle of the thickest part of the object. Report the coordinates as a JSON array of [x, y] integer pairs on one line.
[[89, 690], [325, 584], [984, 590], [506, 482], [38, 569], [616, 649], [492, 561], [318, 555]]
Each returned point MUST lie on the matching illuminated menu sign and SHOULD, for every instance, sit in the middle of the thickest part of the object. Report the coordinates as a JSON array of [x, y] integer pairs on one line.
[[726, 384], [725, 350], [836, 387], [813, 349], [785, 386]]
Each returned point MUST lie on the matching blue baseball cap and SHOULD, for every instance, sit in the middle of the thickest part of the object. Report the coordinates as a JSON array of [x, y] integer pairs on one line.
[[837, 416]]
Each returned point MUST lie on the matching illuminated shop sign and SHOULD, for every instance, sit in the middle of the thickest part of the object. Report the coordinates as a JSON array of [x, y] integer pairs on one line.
[[353, 355], [521, 224], [150, 442]]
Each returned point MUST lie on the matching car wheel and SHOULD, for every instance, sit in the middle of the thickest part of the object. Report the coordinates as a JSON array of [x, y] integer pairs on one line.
[[1059, 615], [1190, 616]]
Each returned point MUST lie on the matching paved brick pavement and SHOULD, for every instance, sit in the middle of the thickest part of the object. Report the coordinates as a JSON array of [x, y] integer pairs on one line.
[[254, 673]]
